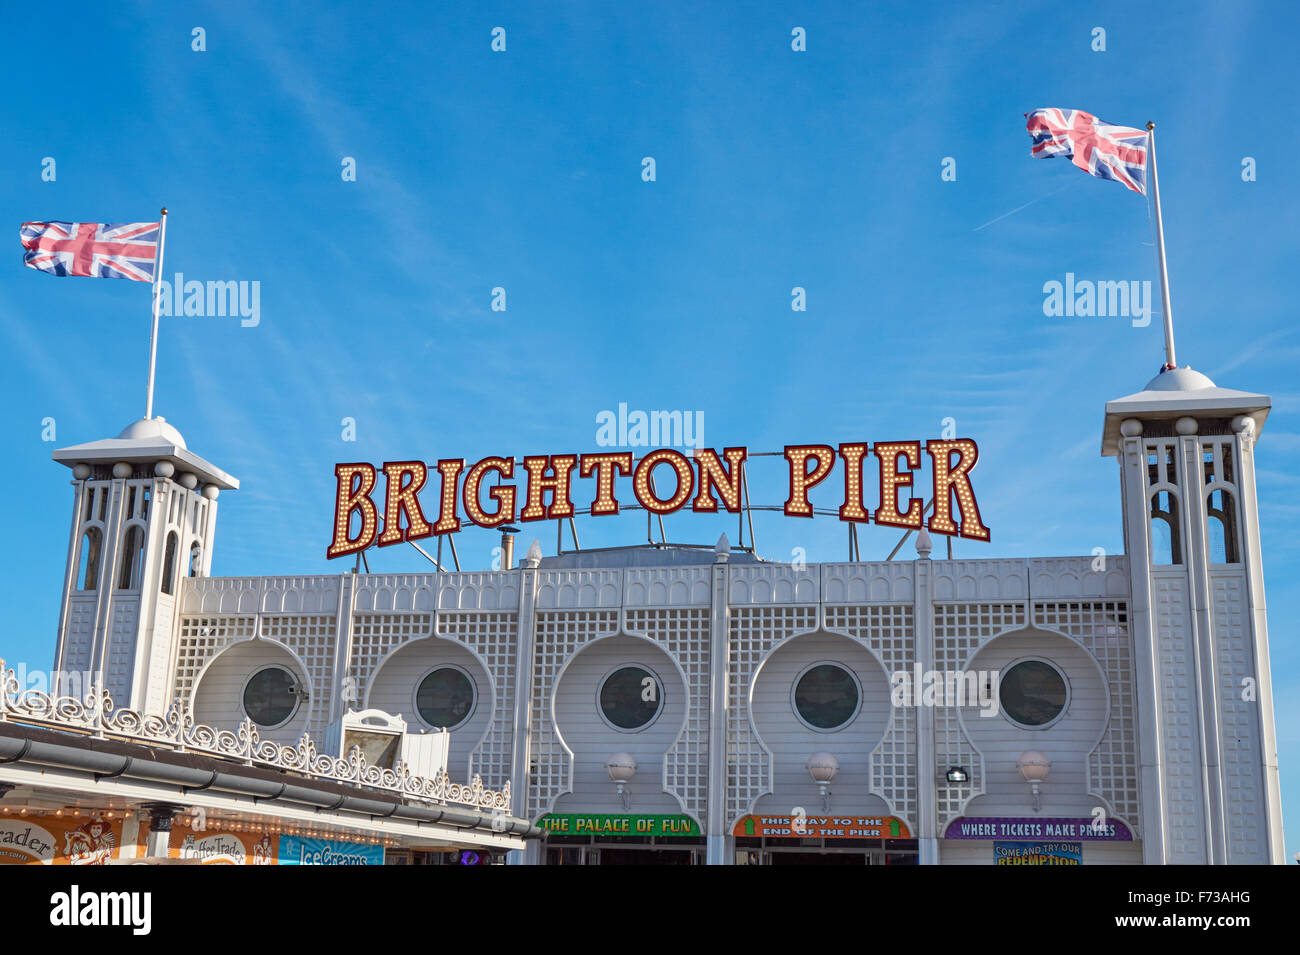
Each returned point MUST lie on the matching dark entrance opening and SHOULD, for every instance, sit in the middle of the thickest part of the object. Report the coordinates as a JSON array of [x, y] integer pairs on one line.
[[817, 858], [624, 850]]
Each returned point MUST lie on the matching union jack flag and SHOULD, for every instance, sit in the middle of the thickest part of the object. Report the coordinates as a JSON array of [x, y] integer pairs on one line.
[[112, 250], [1105, 151]]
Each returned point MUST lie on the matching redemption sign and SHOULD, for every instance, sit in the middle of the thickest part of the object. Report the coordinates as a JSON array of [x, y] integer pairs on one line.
[[998, 827], [618, 825], [404, 518], [1038, 853], [822, 827]]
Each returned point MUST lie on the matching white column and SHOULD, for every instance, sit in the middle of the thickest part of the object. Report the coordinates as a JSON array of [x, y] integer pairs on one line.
[[1205, 656], [343, 646], [1146, 659], [1253, 562], [102, 630], [927, 812], [72, 571], [130, 835], [521, 756], [719, 844]]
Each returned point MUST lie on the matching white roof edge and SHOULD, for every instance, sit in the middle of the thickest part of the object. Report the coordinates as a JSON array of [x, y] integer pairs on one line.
[[131, 451], [1161, 405]]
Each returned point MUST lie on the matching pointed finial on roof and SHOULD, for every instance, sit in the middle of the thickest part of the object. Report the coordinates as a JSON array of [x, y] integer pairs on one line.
[[534, 556], [923, 544]]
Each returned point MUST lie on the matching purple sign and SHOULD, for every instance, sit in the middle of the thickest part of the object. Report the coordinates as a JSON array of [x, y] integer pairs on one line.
[[1037, 827]]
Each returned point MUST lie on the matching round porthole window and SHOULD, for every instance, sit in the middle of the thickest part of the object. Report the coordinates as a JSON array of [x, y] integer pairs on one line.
[[630, 698], [1033, 693], [445, 698], [271, 697], [826, 696]]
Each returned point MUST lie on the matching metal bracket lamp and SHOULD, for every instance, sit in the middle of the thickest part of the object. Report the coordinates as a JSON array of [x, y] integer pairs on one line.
[[822, 767], [621, 768]]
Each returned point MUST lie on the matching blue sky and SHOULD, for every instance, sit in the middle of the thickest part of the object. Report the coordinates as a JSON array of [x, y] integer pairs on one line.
[[522, 170]]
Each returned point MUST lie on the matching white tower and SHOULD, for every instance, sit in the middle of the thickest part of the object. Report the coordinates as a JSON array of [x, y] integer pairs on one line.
[[144, 515], [1208, 750]]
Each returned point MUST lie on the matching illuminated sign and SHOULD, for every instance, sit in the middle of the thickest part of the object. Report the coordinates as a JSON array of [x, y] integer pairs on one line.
[[296, 850], [705, 481], [999, 827], [1038, 853], [822, 827], [53, 840], [575, 824]]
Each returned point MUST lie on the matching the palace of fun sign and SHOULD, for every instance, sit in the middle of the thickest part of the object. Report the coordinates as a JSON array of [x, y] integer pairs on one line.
[[708, 481]]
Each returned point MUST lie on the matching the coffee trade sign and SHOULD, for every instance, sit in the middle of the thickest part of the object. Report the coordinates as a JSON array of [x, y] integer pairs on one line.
[[703, 482], [822, 827], [618, 825]]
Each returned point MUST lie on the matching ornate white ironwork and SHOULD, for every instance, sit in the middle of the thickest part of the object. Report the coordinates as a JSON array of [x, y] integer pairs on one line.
[[176, 729]]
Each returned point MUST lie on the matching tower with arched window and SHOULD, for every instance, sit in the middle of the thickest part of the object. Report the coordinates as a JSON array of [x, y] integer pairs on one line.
[[1208, 748], [144, 515]]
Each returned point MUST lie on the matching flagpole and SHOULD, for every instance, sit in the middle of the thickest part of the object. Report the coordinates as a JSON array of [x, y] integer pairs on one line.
[[1170, 362], [153, 332]]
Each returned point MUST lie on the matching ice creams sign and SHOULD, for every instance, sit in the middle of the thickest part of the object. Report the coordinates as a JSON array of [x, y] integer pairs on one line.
[[499, 490]]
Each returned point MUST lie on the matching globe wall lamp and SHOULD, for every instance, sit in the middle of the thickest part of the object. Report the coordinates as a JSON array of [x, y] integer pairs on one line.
[[1034, 767], [822, 767], [621, 768]]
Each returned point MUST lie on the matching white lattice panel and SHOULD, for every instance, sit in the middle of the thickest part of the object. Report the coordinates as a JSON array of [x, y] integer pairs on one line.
[[959, 630], [1180, 723], [666, 587], [574, 589], [1102, 627], [979, 579], [1101, 576], [754, 632], [202, 638], [1243, 790], [494, 638], [774, 584], [80, 632], [684, 636], [887, 581], [376, 635], [890, 633], [300, 594], [119, 662], [483, 590], [381, 592], [557, 637], [209, 595], [312, 637]]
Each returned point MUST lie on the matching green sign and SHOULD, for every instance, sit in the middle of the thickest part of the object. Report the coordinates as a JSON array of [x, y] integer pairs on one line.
[[575, 824]]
